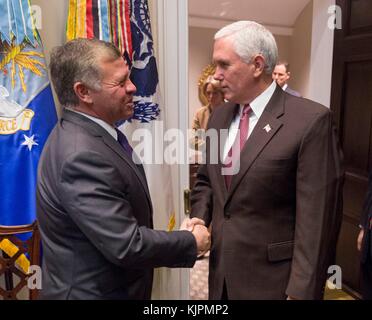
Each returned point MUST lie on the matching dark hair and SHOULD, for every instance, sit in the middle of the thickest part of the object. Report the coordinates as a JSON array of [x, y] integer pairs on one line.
[[78, 61], [285, 64]]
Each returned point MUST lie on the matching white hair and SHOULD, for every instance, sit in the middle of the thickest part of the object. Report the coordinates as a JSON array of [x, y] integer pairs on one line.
[[250, 38]]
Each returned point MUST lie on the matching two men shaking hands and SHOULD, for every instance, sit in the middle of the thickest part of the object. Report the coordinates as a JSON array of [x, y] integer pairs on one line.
[[202, 236]]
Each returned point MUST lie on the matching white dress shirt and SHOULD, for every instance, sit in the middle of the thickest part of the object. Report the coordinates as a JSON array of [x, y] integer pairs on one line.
[[103, 124], [258, 106]]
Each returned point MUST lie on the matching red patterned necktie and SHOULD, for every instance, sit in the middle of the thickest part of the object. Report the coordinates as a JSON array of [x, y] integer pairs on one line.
[[240, 138]]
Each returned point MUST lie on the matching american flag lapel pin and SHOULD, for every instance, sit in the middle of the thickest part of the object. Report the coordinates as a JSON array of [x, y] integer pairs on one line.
[[267, 128]]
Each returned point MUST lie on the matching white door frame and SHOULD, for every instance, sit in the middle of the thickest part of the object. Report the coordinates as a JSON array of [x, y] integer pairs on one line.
[[172, 32]]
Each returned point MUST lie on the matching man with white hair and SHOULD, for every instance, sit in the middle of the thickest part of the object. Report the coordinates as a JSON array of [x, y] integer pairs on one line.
[[276, 215]]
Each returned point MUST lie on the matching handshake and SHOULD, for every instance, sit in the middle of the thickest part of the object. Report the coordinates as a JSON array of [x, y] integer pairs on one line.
[[199, 230]]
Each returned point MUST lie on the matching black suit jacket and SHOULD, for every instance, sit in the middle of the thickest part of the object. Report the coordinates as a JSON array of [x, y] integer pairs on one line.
[[95, 216], [274, 231]]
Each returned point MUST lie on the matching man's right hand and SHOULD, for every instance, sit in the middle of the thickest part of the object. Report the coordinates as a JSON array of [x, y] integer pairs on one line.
[[188, 224], [202, 237]]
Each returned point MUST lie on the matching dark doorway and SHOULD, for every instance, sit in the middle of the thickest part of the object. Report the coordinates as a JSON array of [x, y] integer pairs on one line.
[[352, 104]]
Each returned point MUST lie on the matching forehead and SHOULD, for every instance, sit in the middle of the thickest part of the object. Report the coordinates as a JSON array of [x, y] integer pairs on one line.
[[116, 68], [224, 50], [280, 68]]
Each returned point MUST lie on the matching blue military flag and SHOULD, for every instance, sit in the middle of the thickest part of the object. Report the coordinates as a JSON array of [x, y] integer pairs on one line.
[[27, 111]]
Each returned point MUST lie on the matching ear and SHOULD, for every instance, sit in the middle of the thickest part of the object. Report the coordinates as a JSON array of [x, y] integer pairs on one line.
[[259, 65], [82, 92], [288, 75]]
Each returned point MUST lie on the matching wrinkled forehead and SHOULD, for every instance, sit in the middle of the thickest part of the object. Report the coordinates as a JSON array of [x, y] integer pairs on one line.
[[117, 67]]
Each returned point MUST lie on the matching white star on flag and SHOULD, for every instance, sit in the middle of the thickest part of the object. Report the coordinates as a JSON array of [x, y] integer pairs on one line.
[[29, 142]]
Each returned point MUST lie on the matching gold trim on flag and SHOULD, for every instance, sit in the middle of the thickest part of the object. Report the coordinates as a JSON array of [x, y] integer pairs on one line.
[[11, 249], [13, 125]]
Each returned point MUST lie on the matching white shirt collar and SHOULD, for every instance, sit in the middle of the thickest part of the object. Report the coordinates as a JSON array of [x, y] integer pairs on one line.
[[103, 124], [258, 105], [285, 87]]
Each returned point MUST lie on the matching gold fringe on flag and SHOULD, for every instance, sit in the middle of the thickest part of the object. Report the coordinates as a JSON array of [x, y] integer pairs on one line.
[[71, 21], [11, 249], [81, 12]]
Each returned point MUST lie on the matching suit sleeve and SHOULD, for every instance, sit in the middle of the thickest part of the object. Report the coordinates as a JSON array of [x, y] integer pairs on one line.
[[318, 208], [98, 203], [202, 193], [201, 197]]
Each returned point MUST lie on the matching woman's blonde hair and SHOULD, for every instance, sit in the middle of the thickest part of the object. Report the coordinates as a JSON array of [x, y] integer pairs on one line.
[[215, 84]]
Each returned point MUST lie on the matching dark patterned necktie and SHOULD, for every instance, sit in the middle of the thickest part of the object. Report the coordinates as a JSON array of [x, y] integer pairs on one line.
[[240, 138], [122, 139]]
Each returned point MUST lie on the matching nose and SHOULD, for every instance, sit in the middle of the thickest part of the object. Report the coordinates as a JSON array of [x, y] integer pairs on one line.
[[218, 74], [131, 88]]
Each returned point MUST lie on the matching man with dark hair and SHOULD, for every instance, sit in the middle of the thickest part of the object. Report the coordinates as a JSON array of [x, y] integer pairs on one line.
[[281, 75], [93, 204]]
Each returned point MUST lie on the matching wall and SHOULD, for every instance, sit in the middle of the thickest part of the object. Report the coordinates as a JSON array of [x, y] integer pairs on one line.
[[54, 17], [53, 27], [200, 55], [301, 51], [320, 81], [284, 46]]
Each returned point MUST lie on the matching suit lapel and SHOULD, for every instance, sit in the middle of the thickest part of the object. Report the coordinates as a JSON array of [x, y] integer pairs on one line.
[[137, 168], [97, 131], [266, 128]]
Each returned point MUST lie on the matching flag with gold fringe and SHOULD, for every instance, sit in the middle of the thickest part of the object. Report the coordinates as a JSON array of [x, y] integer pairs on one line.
[[27, 111], [126, 23], [27, 116]]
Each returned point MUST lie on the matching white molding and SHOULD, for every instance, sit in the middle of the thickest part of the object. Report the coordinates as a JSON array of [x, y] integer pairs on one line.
[[172, 27], [183, 116], [214, 23]]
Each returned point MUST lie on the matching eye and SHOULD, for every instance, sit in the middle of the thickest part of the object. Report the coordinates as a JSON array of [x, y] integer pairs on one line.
[[224, 64], [123, 83]]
